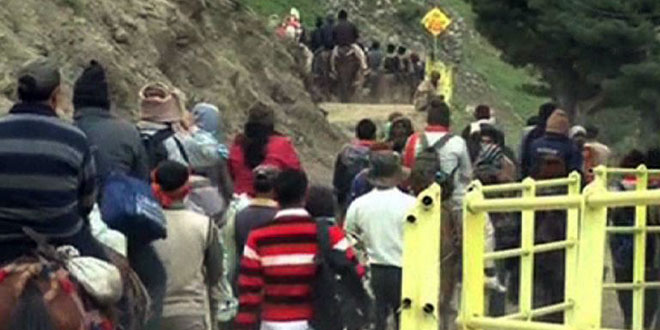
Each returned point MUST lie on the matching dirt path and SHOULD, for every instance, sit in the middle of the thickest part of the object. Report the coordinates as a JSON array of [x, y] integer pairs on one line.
[[346, 115]]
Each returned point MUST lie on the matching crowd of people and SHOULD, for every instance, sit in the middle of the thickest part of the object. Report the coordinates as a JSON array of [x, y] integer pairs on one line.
[[333, 35], [248, 237]]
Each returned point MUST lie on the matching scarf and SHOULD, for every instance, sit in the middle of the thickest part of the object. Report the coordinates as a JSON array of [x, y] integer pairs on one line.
[[168, 198]]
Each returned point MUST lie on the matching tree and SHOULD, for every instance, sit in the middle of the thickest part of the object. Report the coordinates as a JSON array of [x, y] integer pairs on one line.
[[589, 51]]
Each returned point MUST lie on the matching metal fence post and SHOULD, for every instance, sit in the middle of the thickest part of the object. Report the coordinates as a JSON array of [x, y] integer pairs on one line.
[[526, 284], [591, 255], [639, 257], [473, 258]]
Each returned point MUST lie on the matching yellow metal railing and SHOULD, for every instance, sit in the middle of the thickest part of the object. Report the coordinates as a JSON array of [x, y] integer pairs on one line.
[[584, 246]]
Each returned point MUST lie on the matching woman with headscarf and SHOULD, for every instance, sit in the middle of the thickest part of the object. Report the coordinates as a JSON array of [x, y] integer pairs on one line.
[[259, 144]]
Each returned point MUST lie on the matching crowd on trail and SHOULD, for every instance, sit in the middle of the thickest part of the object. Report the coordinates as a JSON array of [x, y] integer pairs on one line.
[[392, 74], [163, 215]]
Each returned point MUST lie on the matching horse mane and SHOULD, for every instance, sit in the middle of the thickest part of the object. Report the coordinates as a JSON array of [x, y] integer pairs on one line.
[[31, 312]]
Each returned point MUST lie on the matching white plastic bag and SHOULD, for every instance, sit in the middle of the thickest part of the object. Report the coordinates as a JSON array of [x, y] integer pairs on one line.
[[112, 238], [100, 279]]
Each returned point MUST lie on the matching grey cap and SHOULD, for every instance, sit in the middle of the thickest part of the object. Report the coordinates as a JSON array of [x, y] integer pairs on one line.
[[38, 78]]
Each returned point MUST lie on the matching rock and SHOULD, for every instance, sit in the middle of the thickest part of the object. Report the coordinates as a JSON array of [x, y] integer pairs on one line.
[[120, 35]]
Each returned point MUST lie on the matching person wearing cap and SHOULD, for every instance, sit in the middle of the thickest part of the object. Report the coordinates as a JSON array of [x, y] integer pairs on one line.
[[556, 144], [48, 175], [578, 134], [191, 252], [116, 142], [377, 219], [259, 144]]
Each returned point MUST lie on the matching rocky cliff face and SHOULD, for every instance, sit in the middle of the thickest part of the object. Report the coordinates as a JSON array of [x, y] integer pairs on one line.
[[211, 49]]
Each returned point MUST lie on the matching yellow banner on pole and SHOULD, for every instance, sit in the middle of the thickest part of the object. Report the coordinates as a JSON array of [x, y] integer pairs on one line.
[[446, 85], [436, 21]]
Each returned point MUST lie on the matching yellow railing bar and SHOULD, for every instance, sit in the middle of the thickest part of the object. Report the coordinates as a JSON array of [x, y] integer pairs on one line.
[[561, 307], [503, 324], [571, 256], [631, 286], [512, 187], [519, 204], [526, 288], [472, 294], [541, 248], [624, 171], [633, 230], [591, 255], [624, 198], [639, 252]]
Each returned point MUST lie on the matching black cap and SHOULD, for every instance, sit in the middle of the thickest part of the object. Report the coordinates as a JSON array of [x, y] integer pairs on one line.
[[37, 80], [91, 89]]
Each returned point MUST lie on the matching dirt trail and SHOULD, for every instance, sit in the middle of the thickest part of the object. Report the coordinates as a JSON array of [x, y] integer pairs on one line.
[[346, 115]]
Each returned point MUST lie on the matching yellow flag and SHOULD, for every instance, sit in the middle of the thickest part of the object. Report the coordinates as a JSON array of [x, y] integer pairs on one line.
[[446, 85], [436, 21]]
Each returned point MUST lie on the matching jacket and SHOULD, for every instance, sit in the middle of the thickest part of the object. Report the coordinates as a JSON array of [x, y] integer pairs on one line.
[[192, 257], [48, 174], [116, 144], [280, 153], [345, 33], [278, 271], [558, 145], [526, 150]]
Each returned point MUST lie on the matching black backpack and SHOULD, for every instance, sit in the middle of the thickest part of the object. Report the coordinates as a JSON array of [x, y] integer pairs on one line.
[[155, 148], [340, 299], [549, 166]]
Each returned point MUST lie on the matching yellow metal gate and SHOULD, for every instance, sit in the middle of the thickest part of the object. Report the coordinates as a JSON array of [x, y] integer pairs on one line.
[[584, 246]]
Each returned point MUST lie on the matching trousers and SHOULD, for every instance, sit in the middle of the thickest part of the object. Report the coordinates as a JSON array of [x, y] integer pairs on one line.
[[386, 286]]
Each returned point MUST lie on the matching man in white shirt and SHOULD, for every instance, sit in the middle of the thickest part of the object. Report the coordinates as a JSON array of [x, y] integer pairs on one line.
[[377, 218]]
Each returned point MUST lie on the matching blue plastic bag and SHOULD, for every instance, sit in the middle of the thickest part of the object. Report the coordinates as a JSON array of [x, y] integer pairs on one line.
[[129, 206]]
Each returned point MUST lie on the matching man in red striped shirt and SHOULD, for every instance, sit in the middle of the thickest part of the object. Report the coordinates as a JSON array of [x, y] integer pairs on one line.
[[278, 267]]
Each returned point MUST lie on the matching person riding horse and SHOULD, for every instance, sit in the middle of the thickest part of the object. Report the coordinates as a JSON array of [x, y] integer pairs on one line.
[[348, 61]]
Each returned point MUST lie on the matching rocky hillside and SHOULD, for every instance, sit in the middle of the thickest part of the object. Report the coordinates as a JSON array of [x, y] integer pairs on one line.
[[214, 50]]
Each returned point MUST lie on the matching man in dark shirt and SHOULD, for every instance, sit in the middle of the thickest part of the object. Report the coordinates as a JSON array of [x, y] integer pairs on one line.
[[346, 34], [326, 33], [316, 41]]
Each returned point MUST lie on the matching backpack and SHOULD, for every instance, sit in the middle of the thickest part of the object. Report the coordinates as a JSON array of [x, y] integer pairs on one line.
[[340, 299], [550, 166], [129, 206], [154, 147], [492, 166], [355, 159], [428, 169]]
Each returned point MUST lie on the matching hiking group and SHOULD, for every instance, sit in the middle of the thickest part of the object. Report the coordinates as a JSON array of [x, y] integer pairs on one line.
[[342, 65], [105, 224]]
